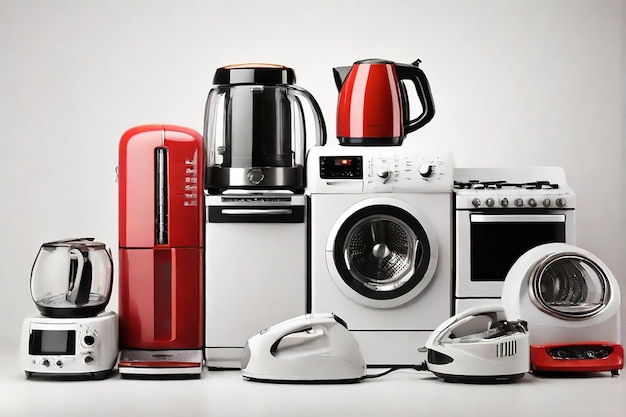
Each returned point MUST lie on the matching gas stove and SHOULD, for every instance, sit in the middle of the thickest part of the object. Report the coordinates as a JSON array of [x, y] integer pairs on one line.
[[500, 213], [504, 188]]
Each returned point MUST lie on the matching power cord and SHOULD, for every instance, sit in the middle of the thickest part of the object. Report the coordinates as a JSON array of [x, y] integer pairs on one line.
[[421, 367]]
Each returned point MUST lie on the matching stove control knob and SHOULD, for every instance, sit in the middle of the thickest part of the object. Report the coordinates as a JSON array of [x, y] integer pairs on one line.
[[532, 202], [560, 202], [546, 202], [476, 202], [255, 176], [490, 202], [518, 202], [425, 170], [504, 202], [384, 174]]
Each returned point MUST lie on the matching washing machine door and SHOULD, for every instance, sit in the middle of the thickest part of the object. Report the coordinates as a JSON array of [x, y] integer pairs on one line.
[[382, 252], [569, 286]]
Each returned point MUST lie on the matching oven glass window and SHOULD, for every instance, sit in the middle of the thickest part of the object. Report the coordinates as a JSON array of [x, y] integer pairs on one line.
[[496, 246], [52, 342]]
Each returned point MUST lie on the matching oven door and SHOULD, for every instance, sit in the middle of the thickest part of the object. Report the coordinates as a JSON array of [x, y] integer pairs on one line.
[[488, 243]]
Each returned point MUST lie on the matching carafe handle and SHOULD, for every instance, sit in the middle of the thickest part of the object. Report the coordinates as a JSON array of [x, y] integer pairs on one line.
[[317, 113], [79, 285], [414, 74]]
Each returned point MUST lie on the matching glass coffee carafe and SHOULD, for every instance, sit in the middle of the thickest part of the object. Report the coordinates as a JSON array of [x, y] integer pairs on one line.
[[255, 128], [72, 278]]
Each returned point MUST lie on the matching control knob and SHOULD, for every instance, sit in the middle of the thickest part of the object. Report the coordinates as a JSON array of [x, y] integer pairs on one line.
[[532, 202], [504, 202], [490, 202], [255, 176], [546, 202], [425, 170], [519, 202], [384, 174], [560, 202], [476, 202]]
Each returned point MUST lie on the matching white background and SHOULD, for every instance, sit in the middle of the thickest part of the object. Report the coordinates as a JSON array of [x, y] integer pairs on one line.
[[535, 82]]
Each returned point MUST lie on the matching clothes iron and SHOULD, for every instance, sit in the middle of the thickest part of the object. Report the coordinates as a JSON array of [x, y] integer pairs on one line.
[[479, 345], [310, 348]]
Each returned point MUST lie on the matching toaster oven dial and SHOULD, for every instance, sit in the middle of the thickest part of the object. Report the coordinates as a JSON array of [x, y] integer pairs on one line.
[[89, 340], [45, 362]]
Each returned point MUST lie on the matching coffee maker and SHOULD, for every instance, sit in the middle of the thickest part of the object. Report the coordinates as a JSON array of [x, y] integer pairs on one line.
[[258, 127], [161, 252], [72, 336]]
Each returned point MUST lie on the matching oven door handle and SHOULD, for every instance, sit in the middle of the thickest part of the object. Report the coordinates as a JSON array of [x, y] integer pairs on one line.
[[523, 218], [257, 212]]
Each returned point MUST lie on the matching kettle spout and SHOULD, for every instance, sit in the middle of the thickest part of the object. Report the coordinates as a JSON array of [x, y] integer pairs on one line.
[[340, 74]]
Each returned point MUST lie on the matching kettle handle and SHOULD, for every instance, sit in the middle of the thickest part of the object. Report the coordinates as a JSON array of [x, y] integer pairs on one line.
[[317, 113], [413, 73]]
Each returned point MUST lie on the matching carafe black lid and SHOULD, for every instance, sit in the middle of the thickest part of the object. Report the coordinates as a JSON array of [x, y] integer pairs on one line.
[[264, 74]]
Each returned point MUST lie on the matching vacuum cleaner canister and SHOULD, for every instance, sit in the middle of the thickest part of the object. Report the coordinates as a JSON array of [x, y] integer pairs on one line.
[[479, 345], [310, 348]]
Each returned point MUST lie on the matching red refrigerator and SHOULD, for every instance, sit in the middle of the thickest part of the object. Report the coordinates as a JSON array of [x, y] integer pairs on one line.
[[161, 251]]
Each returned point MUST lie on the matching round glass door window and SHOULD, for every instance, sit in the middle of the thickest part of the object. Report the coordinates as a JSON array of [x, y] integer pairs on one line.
[[569, 286], [382, 252]]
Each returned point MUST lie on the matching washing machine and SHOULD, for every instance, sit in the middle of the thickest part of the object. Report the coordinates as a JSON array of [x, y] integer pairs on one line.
[[380, 245], [571, 302]]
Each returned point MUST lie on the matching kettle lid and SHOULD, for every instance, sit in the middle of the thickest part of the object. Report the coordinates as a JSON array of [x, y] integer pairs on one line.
[[254, 73], [374, 61]]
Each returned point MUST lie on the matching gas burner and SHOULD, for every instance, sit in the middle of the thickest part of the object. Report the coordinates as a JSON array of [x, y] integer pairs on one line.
[[497, 185]]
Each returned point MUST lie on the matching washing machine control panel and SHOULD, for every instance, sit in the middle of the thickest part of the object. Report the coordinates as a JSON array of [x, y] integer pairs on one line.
[[378, 170], [403, 173]]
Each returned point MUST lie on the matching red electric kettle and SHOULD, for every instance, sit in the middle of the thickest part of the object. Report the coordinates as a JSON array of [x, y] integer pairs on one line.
[[373, 104]]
